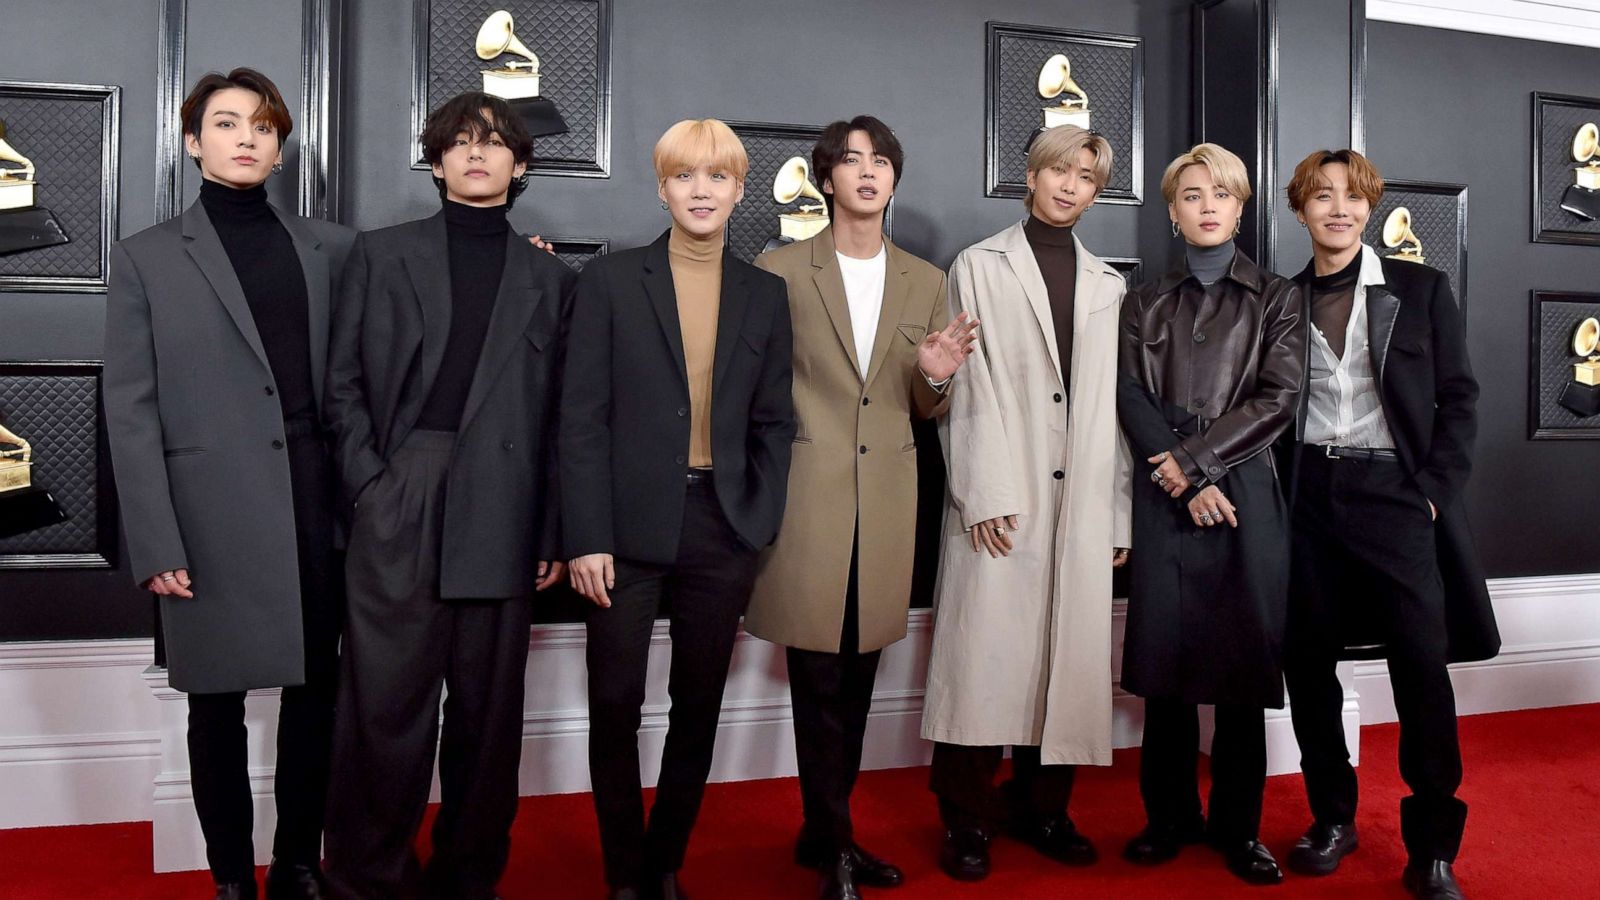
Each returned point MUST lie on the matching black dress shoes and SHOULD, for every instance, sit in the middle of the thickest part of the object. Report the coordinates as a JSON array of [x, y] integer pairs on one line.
[[1157, 844], [1057, 838], [1431, 880], [1250, 861], [670, 889], [869, 870], [237, 890], [838, 881], [1322, 846], [294, 881], [965, 854]]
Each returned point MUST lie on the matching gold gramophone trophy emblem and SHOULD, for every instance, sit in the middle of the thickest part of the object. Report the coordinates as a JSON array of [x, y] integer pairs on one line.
[[1397, 233], [16, 461], [518, 79], [1055, 80], [792, 182], [24, 225], [1582, 197], [1581, 395]]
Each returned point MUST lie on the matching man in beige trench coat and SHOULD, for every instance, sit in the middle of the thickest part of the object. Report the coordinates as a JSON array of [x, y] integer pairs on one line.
[[1040, 495], [871, 353]]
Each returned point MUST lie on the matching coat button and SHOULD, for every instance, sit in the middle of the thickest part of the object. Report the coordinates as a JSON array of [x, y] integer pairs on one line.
[[1199, 402], [508, 445], [1215, 470], [680, 460], [683, 411], [277, 445], [1199, 337], [1060, 474], [866, 401], [1058, 398], [269, 390], [863, 448]]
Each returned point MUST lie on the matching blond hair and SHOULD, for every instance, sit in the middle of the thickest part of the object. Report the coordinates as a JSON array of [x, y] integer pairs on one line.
[[1227, 169], [1059, 147], [700, 142]]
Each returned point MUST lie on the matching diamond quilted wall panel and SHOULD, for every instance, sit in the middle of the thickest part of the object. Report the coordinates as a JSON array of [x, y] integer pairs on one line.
[[57, 413]]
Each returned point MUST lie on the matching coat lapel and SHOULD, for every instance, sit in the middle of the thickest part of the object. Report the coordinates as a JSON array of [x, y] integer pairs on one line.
[[205, 248], [513, 307], [731, 306], [830, 285], [428, 265], [1383, 308], [658, 287], [1026, 268], [314, 265], [896, 287]]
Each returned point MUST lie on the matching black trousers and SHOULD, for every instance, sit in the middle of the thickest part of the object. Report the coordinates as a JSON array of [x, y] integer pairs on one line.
[[218, 752], [1168, 759], [703, 593], [832, 694], [962, 777], [1362, 530], [403, 644]]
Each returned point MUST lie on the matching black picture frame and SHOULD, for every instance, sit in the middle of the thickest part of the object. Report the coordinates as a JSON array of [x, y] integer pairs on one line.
[[1006, 127], [84, 122], [1131, 267], [578, 251], [555, 155], [1553, 316], [1553, 115], [1438, 201], [80, 480]]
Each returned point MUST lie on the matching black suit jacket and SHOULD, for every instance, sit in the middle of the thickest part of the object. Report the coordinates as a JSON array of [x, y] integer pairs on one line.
[[625, 408], [390, 326], [1429, 397]]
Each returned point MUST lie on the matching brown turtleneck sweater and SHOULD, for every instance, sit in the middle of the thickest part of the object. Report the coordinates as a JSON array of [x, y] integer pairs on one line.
[[1057, 256], [697, 282]]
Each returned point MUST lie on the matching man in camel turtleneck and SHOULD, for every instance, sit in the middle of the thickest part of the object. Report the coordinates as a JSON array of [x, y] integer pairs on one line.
[[443, 380]]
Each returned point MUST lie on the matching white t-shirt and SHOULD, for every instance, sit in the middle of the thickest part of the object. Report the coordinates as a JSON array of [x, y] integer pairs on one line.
[[863, 289]]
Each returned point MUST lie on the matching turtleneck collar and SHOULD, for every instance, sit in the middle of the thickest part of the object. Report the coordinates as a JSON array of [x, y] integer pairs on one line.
[[1042, 234], [1341, 279], [681, 245], [234, 204], [482, 220], [1209, 264]]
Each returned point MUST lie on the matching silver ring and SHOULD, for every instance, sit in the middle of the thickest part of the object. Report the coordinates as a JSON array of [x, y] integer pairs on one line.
[[169, 578], [999, 529], [1205, 517]]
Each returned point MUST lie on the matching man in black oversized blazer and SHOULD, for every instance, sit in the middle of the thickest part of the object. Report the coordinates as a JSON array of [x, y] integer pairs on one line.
[[1383, 563], [443, 386], [676, 430]]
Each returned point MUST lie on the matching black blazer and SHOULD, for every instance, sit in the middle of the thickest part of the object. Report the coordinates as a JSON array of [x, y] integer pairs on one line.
[[390, 326], [625, 407], [1429, 398]]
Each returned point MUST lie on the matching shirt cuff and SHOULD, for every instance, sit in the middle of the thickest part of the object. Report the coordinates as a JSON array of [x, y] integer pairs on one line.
[[939, 386]]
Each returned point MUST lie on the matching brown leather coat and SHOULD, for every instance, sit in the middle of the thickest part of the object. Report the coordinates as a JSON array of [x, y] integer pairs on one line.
[[1233, 357]]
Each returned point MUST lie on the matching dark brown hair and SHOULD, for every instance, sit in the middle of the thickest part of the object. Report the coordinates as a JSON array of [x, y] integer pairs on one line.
[[479, 115], [272, 110], [834, 143], [1364, 177]]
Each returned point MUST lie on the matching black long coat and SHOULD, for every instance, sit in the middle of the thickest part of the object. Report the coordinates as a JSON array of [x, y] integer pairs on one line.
[[1213, 377], [1429, 399]]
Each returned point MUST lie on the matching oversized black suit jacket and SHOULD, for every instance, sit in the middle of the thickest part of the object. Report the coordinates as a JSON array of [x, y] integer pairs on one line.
[[390, 326], [625, 407], [1429, 397]]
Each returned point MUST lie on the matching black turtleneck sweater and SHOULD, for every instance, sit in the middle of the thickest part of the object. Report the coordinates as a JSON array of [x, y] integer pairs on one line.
[[1057, 255], [274, 286], [477, 238], [1333, 297]]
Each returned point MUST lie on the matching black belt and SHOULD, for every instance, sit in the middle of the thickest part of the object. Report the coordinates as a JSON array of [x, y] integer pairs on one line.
[[698, 476], [1367, 454]]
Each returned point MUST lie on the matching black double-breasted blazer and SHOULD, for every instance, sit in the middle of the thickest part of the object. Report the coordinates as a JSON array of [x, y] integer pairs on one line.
[[390, 326], [625, 409]]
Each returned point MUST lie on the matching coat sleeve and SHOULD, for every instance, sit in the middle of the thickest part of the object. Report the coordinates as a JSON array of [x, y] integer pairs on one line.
[[1444, 470], [1250, 427], [584, 436], [979, 455], [926, 401], [550, 538], [345, 394], [133, 425], [771, 416]]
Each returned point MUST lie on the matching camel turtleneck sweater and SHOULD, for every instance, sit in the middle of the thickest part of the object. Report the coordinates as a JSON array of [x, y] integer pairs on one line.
[[697, 281]]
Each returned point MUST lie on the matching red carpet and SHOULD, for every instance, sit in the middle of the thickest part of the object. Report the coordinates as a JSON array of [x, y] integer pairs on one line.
[[1533, 783]]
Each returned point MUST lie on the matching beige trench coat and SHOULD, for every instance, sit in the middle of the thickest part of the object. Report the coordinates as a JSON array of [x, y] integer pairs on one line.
[[1022, 644], [800, 587]]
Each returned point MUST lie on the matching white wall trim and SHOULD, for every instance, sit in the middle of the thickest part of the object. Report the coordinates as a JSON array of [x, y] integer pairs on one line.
[[1559, 21]]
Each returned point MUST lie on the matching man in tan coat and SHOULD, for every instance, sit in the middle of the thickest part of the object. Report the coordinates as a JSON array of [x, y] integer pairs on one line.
[[1040, 494], [871, 353]]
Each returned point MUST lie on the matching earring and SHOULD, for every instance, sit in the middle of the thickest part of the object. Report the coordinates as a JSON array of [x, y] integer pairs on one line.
[[277, 167], [1236, 226], [194, 156], [1304, 225], [664, 205], [1174, 229]]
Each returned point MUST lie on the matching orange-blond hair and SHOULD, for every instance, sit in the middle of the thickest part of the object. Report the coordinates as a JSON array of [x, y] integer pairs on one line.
[[700, 142], [1364, 178]]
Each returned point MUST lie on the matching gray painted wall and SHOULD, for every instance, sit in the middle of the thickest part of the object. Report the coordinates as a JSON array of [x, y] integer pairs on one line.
[[1454, 106]]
